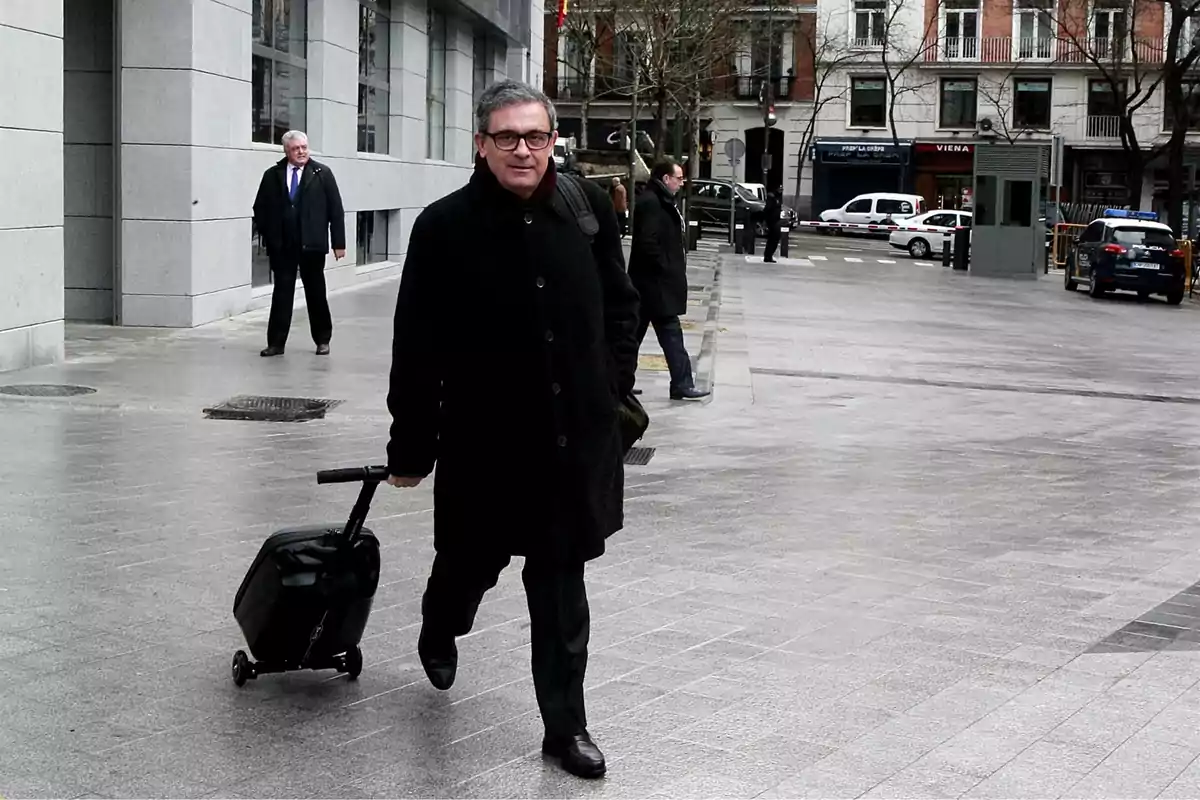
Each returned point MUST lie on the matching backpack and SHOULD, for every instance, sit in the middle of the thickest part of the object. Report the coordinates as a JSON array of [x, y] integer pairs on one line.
[[631, 415]]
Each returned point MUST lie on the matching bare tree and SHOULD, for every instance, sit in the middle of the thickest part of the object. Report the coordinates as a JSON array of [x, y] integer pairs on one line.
[[678, 43], [823, 54], [998, 93], [1104, 36], [1182, 98], [589, 30], [902, 48]]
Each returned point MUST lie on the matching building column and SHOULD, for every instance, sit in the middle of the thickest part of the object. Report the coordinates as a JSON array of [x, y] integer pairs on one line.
[[185, 124], [333, 78], [460, 83], [31, 202]]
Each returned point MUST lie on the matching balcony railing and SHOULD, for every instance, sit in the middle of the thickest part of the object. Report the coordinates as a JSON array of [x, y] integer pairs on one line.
[[1085, 51], [1103, 127], [746, 87], [574, 88], [1007, 50]]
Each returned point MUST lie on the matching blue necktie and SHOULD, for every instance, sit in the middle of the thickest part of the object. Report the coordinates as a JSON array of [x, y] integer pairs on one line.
[[295, 183]]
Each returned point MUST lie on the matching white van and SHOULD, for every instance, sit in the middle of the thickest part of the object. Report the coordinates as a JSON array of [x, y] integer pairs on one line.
[[877, 208]]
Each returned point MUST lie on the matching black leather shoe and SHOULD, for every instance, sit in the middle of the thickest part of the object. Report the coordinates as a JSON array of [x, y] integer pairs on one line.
[[691, 393], [322, 349], [439, 658], [579, 755], [271, 351]]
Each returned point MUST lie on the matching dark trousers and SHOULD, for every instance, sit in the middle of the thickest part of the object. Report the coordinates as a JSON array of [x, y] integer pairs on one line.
[[772, 243], [311, 267], [623, 221], [559, 625], [670, 339]]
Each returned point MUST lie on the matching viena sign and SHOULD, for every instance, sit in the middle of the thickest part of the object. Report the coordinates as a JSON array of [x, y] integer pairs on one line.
[[944, 147]]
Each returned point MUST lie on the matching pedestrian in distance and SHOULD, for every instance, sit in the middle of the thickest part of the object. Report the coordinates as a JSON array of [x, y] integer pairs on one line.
[[658, 269], [772, 211], [508, 362], [297, 211], [620, 204]]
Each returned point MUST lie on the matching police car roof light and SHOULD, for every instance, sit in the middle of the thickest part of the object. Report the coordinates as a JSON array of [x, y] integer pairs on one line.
[[1122, 213]]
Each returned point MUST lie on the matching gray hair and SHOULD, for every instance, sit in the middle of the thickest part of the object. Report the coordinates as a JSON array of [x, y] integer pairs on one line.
[[510, 93], [292, 136]]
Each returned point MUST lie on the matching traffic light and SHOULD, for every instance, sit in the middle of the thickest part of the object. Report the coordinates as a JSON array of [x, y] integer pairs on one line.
[[766, 104]]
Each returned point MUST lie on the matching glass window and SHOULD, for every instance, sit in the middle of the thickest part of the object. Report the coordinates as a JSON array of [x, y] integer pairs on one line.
[[482, 55], [859, 207], [279, 68], [374, 62], [868, 102], [868, 23], [435, 86], [1093, 233], [985, 200], [260, 264], [1031, 104], [1190, 92], [1018, 204], [893, 206], [372, 237], [959, 102], [1148, 237]]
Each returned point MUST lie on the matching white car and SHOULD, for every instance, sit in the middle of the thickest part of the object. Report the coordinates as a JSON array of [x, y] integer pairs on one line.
[[933, 225], [875, 208]]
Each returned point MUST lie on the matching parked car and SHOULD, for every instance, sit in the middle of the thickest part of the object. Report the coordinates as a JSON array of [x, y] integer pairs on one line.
[[877, 208], [923, 244], [1127, 250], [708, 203]]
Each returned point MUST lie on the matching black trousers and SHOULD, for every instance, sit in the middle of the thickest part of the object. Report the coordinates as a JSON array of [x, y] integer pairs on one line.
[[623, 221], [559, 625], [311, 267], [670, 339], [772, 243]]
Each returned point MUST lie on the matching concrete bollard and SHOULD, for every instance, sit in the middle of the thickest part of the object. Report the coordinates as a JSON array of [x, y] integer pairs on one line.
[[783, 241], [962, 248], [748, 232], [693, 234], [947, 249], [739, 238]]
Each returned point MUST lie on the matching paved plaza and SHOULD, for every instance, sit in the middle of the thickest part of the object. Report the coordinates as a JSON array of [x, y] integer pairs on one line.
[[933, 536]]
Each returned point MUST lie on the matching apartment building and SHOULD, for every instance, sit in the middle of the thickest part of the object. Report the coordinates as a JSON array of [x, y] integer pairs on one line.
[[954, 74], [136, 132]]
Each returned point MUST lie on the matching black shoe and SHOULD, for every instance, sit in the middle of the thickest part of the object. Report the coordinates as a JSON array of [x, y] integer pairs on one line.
[[271, 351], [637, 391], [691, 393], [322, 349], [578, 754], [770, 261], [439, 658]]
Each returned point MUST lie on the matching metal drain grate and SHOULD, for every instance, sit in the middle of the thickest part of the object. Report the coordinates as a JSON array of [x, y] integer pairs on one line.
[[271, 409], [45, 390], [639, 456]]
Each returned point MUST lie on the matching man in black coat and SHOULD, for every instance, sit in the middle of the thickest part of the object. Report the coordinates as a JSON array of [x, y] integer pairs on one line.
[[658, 269], [510, 352], [772, 211], [297, 209]]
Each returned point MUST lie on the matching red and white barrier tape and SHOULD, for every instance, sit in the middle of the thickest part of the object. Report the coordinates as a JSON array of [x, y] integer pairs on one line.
[[859, 226]]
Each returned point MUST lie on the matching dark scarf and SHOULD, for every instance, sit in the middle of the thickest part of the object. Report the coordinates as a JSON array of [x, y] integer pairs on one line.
[[484, 181]]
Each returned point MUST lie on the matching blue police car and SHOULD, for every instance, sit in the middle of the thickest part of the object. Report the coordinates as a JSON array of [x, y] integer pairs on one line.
[[1127, 250]]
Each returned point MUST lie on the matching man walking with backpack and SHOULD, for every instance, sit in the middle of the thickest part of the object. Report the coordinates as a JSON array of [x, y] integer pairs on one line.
[[508, 364]]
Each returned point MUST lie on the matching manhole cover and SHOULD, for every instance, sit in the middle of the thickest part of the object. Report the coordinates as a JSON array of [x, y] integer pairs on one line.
[[271, 409], [45, 390], [639, 456]]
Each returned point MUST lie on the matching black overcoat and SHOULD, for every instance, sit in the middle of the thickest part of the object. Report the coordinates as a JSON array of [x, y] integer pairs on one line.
[[512, 344], [318, 204], [657, 264]]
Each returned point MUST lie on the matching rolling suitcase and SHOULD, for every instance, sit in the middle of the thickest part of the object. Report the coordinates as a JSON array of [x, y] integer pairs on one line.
[[305, 600]]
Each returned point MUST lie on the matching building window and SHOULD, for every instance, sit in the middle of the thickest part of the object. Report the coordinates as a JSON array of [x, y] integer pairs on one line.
[[1034, 29], [372, 237], [1109, 27], [435, 87], [1191, 102], [482, 53], [868, 103], [960, 29], [374, 61], [868, 23], [279, 68], [959, 102], [1031, 104]]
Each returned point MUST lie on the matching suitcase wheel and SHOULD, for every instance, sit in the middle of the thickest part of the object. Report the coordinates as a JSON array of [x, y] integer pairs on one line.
[[353, 663], [243, 670]]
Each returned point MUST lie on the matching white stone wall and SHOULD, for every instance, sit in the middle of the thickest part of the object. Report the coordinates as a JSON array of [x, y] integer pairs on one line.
[[31, 202]]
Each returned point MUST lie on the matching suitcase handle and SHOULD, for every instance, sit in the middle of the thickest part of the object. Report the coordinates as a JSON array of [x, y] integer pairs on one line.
[[370, 477], [353, 475]]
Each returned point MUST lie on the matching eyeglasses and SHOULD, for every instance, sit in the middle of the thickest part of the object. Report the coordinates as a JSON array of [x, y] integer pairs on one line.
[[508, 140]]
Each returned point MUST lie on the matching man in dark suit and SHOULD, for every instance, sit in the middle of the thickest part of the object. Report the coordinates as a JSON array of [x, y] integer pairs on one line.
[[658, 269], [297, 209]]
